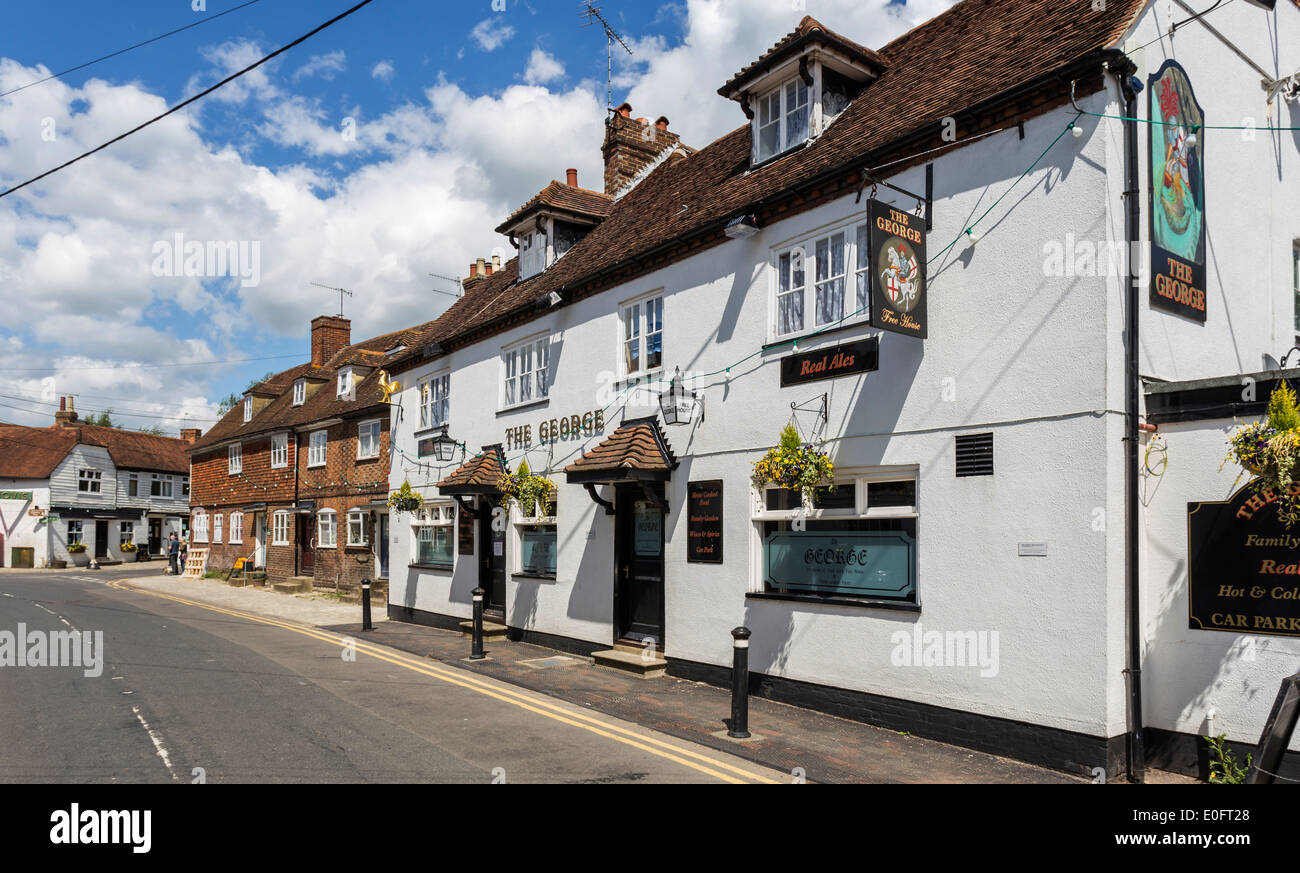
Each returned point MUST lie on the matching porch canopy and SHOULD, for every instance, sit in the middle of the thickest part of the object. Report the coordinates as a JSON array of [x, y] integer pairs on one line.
[[480, 474], [636, 452]]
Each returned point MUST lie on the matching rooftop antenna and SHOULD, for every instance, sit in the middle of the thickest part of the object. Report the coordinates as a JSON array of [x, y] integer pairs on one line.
[[460, 289], [591, 12], [341, 291]]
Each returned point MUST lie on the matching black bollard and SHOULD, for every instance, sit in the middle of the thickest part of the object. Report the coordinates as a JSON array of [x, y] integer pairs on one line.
[[740, 684], [476, 652], [365, 606]]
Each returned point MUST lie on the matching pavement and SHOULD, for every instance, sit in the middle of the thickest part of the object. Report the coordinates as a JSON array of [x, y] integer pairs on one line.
[[803, 744]]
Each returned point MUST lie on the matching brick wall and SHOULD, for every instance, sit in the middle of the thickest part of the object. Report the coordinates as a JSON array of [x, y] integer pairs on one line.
[[215, 490]]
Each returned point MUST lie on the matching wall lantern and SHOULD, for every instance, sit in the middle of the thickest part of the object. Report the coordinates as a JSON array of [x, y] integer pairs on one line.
[[741, 227], [678, 404], [444, 447]]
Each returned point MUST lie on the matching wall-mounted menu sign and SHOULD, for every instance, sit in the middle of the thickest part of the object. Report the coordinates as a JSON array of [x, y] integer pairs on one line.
[[898, 287], [1243, 567], [704, 522], [860, 357]]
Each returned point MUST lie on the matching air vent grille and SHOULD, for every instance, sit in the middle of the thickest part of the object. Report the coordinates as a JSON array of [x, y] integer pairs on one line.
[[975, 455]]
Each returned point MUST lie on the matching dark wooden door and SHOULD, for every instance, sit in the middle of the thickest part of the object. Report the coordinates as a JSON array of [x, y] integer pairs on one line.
[[383, 545], [306, 545], [639, 566], [101, 539], [155, 536], [492, 521]]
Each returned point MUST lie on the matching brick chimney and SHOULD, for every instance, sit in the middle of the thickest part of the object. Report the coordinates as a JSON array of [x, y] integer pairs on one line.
[[67, 413], [571, 176], [190, 434], [330, 334], [631, 145]]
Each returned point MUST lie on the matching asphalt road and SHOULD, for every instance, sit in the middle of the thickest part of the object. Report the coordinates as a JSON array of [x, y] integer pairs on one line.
[[189, 693]]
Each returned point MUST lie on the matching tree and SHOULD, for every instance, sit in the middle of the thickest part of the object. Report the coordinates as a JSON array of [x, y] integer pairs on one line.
[[154, 429], [229, 402], [104, 419]]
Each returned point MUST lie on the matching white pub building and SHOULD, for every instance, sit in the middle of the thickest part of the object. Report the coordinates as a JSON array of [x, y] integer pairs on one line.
[[918, 256]]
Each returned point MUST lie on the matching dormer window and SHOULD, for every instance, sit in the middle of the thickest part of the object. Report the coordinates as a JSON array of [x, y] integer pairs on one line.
[[299, 392], [782, 121], [553, 222], [345, 384], [248, 409], [532, 253]]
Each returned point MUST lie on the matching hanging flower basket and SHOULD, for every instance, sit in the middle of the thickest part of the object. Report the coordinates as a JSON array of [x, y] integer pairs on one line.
[[76, 548], [128, 547], [534, 494], [405, 500], [794, 465], [1270, 451]]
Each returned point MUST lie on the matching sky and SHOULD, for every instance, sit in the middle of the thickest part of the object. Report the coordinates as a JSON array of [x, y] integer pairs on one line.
[[380, 151]]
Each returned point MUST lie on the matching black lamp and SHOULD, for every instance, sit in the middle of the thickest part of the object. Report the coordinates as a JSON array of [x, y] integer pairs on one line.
[[444, 447], [678, 404]]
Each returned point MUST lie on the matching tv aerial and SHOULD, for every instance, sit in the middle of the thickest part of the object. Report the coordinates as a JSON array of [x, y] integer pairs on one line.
[[341, 291], [460, 289], [591, 11]]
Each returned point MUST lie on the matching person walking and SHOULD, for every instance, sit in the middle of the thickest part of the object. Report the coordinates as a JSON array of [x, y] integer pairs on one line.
[[173, 552], [185, 553]]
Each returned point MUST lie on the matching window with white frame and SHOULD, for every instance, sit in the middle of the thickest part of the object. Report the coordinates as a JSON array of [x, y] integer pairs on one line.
[[236, 527], [200, 525], [532, 253], [280, 528], [435, 400], [248, 409], [235, 459], [216, 527], [539, 543], [125, 534], [160, 485], [74, 533], [345, 383], [435, 530], [132, 484], [782, 119], [856, 540], [368, 439], [524, 372], [299, 392], [357, 528], [316, 444], [89, 481], [643, 335], [812, 277], [279, 450], [327, 529]]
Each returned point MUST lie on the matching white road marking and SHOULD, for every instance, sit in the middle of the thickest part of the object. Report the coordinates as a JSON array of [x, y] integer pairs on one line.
[[157, 743]]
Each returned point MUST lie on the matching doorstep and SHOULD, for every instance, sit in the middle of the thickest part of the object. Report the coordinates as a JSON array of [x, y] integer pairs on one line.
[[491, 630], [294, 585], [631, 659]]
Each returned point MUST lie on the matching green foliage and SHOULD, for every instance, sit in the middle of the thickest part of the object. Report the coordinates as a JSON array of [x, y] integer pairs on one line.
[[790, 441], [794, 465], [229, 402], [104, 419], [404, 499], [534, 494], [1282, 411], [1224, 769]]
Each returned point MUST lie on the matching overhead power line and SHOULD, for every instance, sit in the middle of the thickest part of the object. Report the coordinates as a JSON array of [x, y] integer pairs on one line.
[[109, 411], [148, 366], [62, 73], [199, 96]]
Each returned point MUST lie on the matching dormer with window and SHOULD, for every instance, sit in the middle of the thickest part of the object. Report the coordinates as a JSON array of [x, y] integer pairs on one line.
[[299, 392], [346, 384], [797, 89], [248, 409], [550, 224]]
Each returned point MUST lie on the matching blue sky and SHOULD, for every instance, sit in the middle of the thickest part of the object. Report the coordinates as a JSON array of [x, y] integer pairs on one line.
[[383, 149]]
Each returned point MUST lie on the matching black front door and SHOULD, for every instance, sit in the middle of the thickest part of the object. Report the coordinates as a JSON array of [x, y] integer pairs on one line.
[[306, 545], [492, 520], [155, 536], [639, 566], [383, 545], [101, 539]]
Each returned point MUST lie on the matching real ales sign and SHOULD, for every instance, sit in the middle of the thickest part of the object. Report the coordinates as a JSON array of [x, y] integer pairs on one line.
[[1243, 567], [897, 270], [1177, 194]]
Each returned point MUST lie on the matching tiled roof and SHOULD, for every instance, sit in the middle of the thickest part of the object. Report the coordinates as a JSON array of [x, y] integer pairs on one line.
[[637, 445], [560, 196], [479, 474], [323, 404], [974, 52], [34, 452], [809, 30]]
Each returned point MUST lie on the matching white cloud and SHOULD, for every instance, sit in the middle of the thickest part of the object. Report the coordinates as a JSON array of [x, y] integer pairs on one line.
[[324, 66], [383, 70], [490, 35], [542, 68]]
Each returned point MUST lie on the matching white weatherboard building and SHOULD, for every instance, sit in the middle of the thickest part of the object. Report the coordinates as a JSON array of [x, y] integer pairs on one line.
[[968, 578]]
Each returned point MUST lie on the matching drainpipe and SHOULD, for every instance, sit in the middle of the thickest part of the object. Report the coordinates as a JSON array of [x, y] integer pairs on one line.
[[1129, 87]]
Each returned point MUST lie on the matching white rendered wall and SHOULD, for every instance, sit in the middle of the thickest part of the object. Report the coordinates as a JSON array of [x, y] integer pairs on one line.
[[20, 529]]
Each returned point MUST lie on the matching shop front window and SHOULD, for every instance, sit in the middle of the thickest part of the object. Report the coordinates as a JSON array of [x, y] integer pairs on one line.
[[434, 532]]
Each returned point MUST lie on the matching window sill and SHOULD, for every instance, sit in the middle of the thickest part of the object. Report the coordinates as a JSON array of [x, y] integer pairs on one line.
[[358, 547], [522, 407], [315, 466], [818, 333], [648, 378], [441, 568], [540, 577], [857, 603], [368, 458]]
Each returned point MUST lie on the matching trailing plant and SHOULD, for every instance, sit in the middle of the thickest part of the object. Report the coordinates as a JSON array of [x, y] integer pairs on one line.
[[1270, 450], [793, 464], [1224, 769], [405, 500], [128, 547], [529, 491], [76, 548]]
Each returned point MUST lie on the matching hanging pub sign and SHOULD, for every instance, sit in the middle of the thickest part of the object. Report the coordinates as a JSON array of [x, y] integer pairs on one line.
[[844, 360], [704, 522], [1243, 566], [898, 285], [1177, 194]]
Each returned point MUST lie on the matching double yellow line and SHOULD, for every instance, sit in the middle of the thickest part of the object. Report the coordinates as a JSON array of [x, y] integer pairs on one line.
[[719, 769]]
